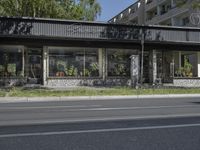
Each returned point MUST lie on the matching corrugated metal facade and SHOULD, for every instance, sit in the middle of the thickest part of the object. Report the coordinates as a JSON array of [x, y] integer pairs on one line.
[[96, 31]]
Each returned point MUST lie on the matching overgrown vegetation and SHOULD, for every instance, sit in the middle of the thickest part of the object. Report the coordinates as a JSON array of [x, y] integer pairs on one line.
[[21, 92]]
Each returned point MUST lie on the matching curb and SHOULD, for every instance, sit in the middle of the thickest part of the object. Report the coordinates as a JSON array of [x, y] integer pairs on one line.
[[80, 98]]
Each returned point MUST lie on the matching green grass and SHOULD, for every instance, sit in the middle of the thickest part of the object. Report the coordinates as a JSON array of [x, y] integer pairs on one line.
[[2, 93], [20, 92]]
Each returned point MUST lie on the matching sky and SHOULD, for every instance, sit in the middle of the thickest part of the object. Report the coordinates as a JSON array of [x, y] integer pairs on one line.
[[111, 8]]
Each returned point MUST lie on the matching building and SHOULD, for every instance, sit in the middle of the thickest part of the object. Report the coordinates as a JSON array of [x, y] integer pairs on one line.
[[71, 53], [159, 12]]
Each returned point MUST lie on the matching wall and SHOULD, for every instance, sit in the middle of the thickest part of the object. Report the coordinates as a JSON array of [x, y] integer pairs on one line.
[[187, 82], [88, 82]]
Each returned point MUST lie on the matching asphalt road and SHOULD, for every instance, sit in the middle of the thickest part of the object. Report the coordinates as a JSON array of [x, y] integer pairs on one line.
[[144, 124]]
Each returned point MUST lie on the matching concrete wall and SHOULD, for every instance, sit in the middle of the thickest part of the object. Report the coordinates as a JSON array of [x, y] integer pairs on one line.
[[187, 82], [88, 82]]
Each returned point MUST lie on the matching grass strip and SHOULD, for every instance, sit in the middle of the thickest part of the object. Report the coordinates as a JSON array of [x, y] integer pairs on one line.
[[20, 92]]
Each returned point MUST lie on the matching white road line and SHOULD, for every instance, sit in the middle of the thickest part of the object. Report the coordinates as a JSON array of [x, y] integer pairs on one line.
[[50, 107], [98, 130], [96, 107], [131, 108]]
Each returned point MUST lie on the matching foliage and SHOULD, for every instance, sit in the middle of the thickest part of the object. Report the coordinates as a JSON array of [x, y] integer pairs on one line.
[[20, 92], [72, 71], [94, 69], [87, 73], [61, 65], [194, 3], [63, 9], [91, 9], [186, 70], [120, 69]]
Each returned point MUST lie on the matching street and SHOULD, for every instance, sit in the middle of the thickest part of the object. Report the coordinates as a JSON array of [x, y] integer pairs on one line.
[[141, 124]]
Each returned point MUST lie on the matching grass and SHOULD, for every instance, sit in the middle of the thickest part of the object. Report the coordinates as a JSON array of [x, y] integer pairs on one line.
[[20, 92]]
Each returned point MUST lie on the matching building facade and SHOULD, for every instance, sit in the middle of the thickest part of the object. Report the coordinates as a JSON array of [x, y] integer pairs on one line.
[[166, 13], [72, 53], [159, 12]]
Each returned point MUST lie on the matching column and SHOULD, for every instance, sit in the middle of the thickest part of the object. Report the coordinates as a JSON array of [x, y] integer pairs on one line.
[[134, 70], [152, 67], [158, 10], [102, 63], [198, 63], [45, 65], [23, 63], [173, 21]]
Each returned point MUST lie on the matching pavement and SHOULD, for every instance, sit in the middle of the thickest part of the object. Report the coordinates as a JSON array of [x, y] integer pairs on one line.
[[92, 110], [78, 98], [108, 124], [153, 134]]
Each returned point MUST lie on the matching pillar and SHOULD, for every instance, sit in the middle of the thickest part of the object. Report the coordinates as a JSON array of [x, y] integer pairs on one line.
[[102, 63], [23, 62], [134, 70], [152, 66], [198, 63], [45, 65]]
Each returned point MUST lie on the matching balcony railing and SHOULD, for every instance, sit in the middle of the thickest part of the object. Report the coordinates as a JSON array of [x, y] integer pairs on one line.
[[167, 15], [43, 28]]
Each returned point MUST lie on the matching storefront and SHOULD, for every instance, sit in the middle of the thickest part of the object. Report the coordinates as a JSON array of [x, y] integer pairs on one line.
[[65, 53]]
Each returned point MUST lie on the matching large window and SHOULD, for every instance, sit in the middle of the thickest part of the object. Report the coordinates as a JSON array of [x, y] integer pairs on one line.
[[119, 62], [11, 61], [73, 62], [186, 65]]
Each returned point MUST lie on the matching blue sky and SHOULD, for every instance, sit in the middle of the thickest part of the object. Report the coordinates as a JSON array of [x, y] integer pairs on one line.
[[110, 8]]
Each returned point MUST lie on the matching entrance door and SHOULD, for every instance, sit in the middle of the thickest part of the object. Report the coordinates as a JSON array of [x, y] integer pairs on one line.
[[34, 65]]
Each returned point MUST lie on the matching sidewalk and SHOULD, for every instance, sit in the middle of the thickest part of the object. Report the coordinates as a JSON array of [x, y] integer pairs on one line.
[[80, 98]]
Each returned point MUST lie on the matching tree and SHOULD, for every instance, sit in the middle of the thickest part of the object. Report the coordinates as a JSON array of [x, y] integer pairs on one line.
[[91, 9], [194, 3], [63, 9]]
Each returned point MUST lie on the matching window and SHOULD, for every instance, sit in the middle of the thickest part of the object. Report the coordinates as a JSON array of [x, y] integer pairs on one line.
[[186, 64], [119, 62], [11, 61], [73, 62], [185, 21]]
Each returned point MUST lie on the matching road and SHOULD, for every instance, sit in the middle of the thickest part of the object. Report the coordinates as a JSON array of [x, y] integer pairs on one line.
[[141, 124]]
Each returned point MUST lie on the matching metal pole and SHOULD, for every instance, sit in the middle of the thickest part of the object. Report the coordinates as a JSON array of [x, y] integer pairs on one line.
[[142, 58]]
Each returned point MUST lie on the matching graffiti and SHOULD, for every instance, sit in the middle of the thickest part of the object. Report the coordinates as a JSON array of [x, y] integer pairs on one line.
[[195, 18]]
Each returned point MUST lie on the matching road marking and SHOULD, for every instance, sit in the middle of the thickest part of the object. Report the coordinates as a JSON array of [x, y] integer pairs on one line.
[[98, 130], [50, 107], [95, 107], [131, 108]]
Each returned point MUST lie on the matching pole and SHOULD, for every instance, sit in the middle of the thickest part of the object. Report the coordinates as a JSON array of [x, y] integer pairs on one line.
[[142, 57]]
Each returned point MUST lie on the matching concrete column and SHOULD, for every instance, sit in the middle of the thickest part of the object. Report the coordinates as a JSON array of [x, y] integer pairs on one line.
[[26, 62], [23, 62], [104, 67], [141, 12], [179, 55], [173, 21], [102, 63], [100, 57], [198, 63], [172, 3], [134, 70], [158, 10], [45, 65], [152, 66]]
